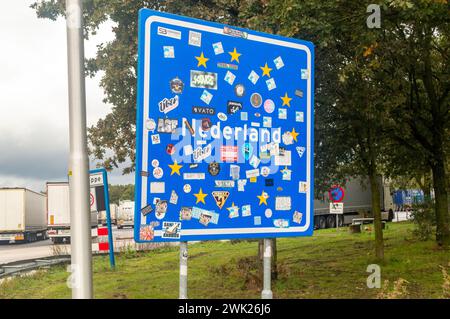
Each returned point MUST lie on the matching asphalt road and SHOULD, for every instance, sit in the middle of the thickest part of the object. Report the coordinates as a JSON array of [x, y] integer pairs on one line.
[[16, 252], [122, 237]]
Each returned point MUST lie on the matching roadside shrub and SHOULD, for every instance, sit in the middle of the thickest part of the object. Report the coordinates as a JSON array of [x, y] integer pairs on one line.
[[424, 219]]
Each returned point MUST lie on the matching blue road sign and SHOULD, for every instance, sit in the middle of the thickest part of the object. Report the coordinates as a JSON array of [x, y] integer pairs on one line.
[[224, 132]]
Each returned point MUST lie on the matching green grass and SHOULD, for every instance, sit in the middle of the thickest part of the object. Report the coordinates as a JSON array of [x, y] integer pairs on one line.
[[330, 264]]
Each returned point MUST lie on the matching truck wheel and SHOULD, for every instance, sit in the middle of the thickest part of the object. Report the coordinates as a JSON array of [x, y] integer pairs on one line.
[[322, 222], [341, 221], [316, 222], [331, 221]]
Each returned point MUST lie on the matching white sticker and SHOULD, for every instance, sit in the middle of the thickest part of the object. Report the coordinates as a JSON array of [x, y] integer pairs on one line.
[[302, 187], [246, 210], [244, 116], [253, 77], [175, 34], [267, 121], [229, 78], [218, 48], [265, 171], [157, 187], [188, 150], [241, 185], [305, 74], [268, 213], [195, 38], [187, 188], [158, 172], [278, 63], [268, 252], [169, 52], [282, 114], [192, 176], [254, 161], [156, 139], [155, 163], [173, 198], [206, 97], [288, 139], [271, 84], [183, 270], [255, 124], [283, 160], [252, 173], [283, 203], [299, 116]]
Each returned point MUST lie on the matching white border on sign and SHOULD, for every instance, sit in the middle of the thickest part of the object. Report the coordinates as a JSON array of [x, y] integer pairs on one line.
[[251, 37]]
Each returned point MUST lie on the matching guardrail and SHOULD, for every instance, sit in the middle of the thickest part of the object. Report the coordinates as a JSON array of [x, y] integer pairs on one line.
[[14, 268]]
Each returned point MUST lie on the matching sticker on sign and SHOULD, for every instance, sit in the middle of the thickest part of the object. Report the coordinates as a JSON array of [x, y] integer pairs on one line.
[[336, 208], [96, 180]]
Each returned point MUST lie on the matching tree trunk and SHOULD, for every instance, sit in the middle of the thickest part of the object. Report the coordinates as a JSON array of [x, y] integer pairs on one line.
[[441, 204]]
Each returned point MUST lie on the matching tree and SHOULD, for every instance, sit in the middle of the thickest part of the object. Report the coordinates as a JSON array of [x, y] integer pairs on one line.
[[121, 192], [382, 95], [414, 61]]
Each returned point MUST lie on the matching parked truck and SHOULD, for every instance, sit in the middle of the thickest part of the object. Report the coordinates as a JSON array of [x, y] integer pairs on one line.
[[125, 216], [113, 208], [22, 215], [58, 213], [357, 204]]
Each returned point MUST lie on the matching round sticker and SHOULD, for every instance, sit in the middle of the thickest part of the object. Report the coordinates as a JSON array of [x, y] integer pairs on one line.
[[214, 168], [155, 163], [258, 114], [239, 90], [268, 213], [150, 124], [265, 171], [269, 106], [206, 124], [222, 116], [187, 188], [158, 172], [170, 149], [176, 85], [256, 100]]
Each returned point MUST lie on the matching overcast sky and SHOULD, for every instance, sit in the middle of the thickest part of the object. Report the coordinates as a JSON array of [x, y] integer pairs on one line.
[[34, 135]]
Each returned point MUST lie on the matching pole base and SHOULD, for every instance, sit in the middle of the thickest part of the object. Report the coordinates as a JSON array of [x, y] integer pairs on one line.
[[266, 294]]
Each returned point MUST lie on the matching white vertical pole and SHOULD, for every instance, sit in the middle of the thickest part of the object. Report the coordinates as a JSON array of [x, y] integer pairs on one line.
[[183, 269], [267, 291], [80, 219]]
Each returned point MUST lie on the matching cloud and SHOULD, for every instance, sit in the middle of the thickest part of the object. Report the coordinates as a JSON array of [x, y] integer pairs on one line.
[[34, 120]]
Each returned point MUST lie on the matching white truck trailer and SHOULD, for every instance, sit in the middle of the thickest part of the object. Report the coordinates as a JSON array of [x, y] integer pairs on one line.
[[113, 209], [22, 215], [357, 204], [125, 217], [58, 213]]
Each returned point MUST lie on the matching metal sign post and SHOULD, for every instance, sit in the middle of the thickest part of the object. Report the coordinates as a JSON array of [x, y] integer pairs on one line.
[[103, 181], [183, 269], [81, 250], [267, 291]]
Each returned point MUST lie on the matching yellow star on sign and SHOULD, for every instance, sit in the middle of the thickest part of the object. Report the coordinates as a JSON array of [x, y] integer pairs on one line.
[[266, 70], [234, 55], [175, 168], [286, 100], [200, 197], [294, 134], [263, 198], [201, 60]]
